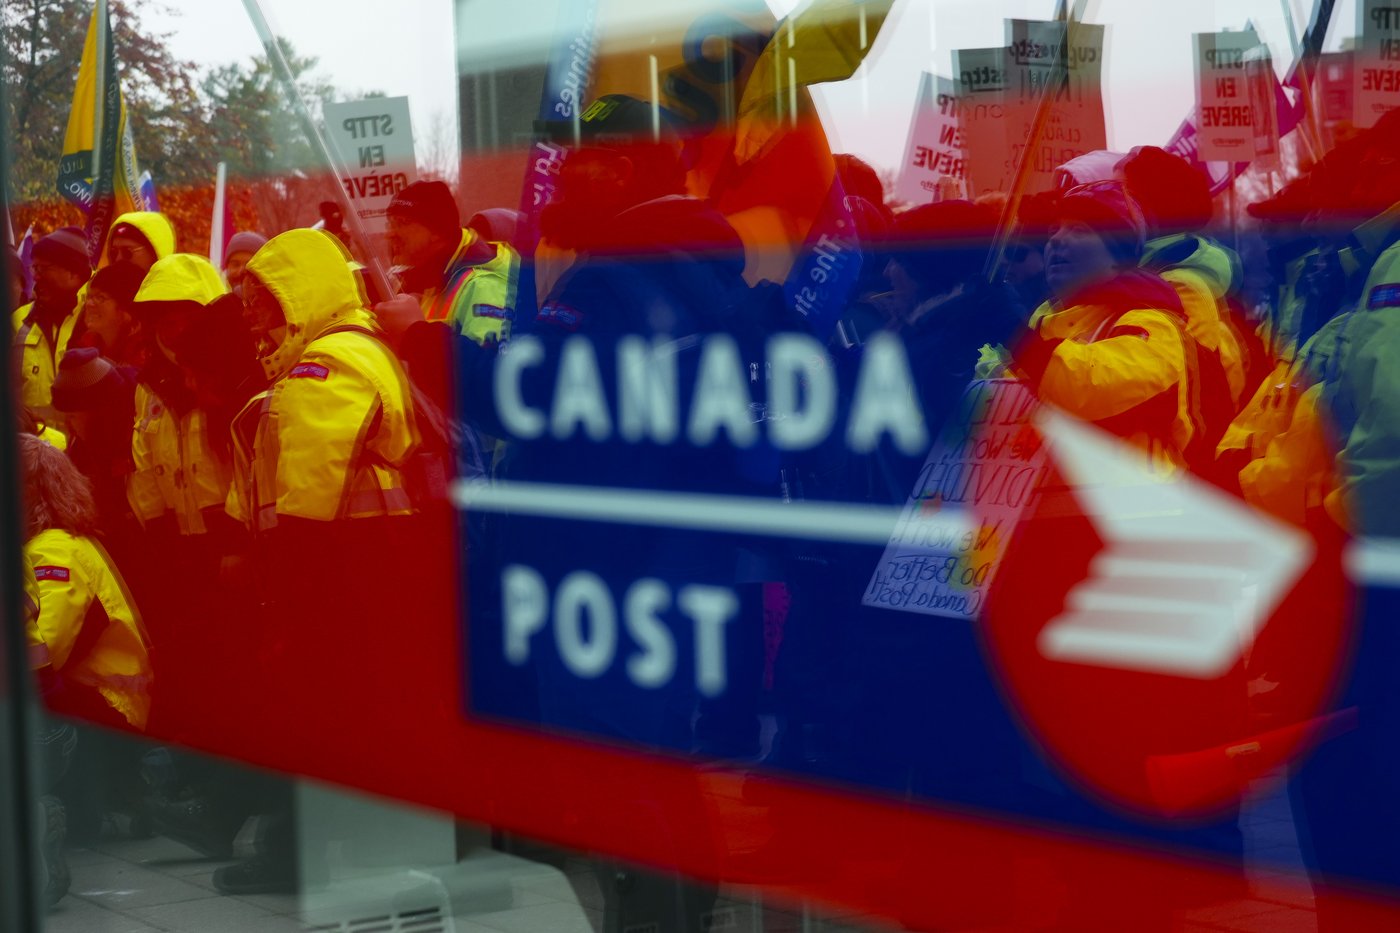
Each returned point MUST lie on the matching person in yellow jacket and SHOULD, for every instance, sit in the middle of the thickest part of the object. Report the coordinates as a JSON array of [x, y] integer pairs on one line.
[[327, 440], [141, 238], [1340, 448], [1111, 346], [318, 480], [43, 328], [87, 642], [458, 276], [176, 472], [1176, 204]]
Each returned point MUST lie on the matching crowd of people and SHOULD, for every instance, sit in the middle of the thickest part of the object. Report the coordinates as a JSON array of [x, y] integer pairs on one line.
[[249, 453]]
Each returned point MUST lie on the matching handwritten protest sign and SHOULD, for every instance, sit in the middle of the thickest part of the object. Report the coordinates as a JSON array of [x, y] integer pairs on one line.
[[980, 77], [935, 165], [985, 468], [1043, 61]]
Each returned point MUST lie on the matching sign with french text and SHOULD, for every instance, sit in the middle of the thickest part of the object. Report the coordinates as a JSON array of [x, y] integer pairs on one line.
[[374, 141], [935, 161], [1225, 125], [1377, 60]]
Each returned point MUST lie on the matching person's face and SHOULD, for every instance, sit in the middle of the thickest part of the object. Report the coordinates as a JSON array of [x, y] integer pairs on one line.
[[103, 317], [54, 283], [233, 269], [1075, 257], [410, 243], [263, 315], [903, 286], [127, 247], [592, 190]]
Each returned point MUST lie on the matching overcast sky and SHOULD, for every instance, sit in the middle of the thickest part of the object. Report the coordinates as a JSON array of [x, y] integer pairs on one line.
[[408, 47]]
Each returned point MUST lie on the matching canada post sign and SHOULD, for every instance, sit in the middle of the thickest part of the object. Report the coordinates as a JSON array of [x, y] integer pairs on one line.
[[650, 495]]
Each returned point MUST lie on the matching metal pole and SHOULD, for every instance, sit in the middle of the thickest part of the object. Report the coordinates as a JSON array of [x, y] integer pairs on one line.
[[216, 222], [99, 10], [272, 44]]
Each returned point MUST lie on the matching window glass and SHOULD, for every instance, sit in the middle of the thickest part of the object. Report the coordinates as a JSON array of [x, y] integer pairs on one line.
[[710, 465]]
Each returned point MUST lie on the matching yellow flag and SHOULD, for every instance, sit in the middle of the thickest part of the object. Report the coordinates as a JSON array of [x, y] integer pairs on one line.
[[98, 170], [823, 40]]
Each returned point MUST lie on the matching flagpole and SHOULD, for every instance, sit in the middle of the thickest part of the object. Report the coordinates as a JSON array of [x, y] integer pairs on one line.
[[216, 222], [272, 45], [99, 10]]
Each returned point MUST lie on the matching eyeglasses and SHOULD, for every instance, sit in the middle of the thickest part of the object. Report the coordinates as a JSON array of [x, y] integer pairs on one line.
[[126, 253]]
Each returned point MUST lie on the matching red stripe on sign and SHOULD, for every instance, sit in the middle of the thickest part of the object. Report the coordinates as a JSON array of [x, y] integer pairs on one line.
[[384, 715]]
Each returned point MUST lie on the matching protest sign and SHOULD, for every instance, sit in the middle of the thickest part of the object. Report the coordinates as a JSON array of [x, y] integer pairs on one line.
[[1225, 113], [934, 166], [980, 77], [985, 467], [1042, 60], [374, 142], [1377, 63]]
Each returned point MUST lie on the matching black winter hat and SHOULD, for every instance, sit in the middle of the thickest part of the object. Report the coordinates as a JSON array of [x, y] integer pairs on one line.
[[120, 281], [431, 204], [65, 247], [87, 380]]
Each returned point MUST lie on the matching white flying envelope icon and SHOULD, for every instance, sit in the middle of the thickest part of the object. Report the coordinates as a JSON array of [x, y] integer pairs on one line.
[[1187, 576]]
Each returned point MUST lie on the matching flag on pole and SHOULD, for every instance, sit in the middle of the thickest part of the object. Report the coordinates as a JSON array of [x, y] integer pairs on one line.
[[97, 170], [149, 200]]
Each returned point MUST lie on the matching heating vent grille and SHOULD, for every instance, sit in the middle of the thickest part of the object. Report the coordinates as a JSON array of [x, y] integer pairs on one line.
[[424, 920]]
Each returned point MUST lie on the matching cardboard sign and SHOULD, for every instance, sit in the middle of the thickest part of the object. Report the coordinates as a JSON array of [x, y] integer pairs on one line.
[[986, 467], [1377, 63], [1225, 113], [935, 162], [980, 77], [374, 140], [1042, 61]]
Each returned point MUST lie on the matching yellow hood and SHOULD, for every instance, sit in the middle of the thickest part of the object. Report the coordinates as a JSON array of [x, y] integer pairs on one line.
[[182, 277], [308, 272], [154, 227]]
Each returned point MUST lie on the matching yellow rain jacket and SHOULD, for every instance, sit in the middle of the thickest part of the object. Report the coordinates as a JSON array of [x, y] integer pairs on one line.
[[328, 439], [36, 357], [176, 469], [478, 299], [1126, 372], [154, 227], [88, 631], [1328, 434], [1203, 274]]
